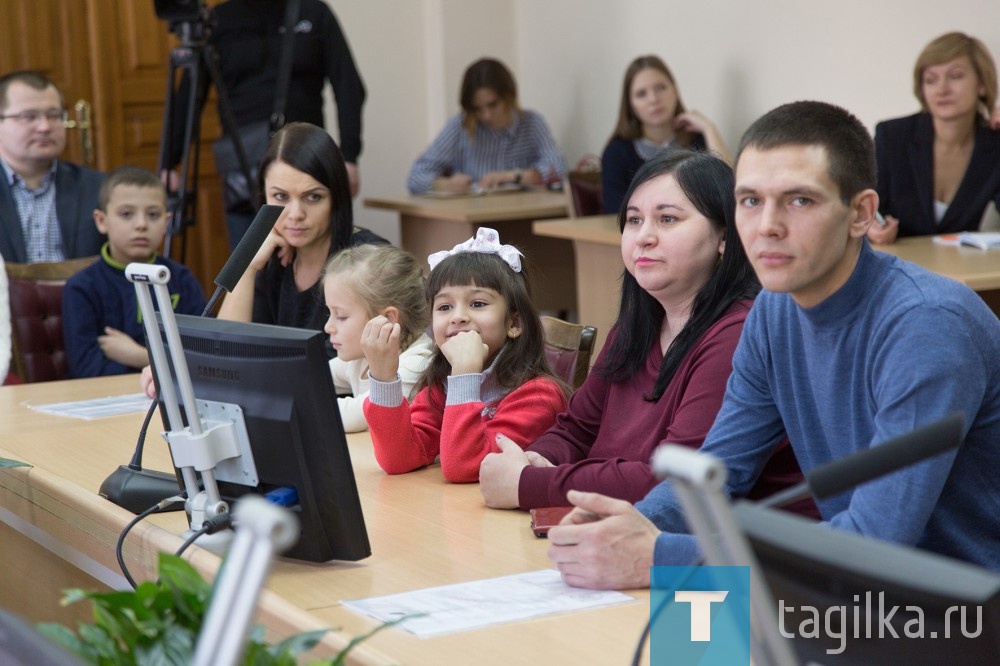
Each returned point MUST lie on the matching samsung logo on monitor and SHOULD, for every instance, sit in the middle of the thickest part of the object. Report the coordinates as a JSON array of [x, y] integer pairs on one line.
[[224, 374]]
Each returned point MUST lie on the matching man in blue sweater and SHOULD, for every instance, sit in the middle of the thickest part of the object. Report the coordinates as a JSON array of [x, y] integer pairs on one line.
[[845, 348]]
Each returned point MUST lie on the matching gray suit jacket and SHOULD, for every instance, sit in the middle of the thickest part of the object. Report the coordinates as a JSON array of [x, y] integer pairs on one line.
[[77, 188]]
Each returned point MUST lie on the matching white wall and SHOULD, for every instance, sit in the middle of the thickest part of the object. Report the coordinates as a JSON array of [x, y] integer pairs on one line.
[[733, 61], [411, 55]]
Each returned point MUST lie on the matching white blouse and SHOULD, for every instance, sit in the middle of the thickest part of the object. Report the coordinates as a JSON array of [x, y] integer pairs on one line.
[[352, 377]]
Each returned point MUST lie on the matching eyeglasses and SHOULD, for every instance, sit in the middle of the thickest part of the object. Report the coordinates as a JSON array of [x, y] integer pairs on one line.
[[32, 117]]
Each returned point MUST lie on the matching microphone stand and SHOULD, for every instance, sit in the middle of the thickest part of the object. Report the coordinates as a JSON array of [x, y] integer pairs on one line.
[[262, 531], [699, 480], [132, 487], [198, 448]]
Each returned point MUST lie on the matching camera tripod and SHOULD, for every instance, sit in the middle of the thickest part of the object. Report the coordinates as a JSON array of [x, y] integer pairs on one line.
[[187, 86]]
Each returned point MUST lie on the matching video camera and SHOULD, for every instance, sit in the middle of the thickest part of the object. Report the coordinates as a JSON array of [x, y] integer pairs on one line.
[[178, 11]]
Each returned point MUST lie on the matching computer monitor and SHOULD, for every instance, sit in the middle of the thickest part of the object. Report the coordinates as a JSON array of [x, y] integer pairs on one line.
[[834, 593], [281, 380]]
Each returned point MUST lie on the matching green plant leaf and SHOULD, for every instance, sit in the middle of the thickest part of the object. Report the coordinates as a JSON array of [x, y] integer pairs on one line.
[[174, 647], [299, 643], [111, 615], [158, 624], [73, 595], [60, 635], [340, 659], [103, 645], [176, 573], [189, 593], [259, 654]]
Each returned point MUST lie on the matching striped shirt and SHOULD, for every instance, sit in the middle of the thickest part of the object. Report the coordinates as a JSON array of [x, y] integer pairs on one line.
[[37, 210], [526, 143]]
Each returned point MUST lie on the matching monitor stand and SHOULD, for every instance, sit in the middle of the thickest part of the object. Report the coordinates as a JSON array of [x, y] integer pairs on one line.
[[200, 448]]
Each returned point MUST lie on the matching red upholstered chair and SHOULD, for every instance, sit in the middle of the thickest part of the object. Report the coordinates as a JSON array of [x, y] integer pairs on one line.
[[568, 348], [584, 187], [584, 193], [39, 353], [12, 379]]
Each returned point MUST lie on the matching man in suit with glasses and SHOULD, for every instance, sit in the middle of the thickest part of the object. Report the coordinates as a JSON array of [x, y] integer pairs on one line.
[[46, 204]]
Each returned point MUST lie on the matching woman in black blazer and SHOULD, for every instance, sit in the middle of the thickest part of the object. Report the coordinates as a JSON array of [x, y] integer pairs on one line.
[[939, 169]]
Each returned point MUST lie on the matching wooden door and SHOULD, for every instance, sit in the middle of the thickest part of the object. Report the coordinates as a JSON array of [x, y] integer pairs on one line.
[[115, 55]]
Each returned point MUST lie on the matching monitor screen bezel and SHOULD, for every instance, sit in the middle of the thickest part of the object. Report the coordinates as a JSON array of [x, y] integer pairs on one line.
[[241, 363], [802, 560]]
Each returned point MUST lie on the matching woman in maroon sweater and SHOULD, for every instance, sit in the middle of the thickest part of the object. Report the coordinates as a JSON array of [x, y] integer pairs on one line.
[[686, 290]]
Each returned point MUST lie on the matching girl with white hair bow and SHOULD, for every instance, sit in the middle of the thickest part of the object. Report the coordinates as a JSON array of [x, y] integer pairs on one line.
[[488, 377]]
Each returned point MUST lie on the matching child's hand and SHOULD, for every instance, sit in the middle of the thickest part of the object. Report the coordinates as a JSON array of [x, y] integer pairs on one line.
[[147, 383], [466, 352], [121, 348], [380, 343]]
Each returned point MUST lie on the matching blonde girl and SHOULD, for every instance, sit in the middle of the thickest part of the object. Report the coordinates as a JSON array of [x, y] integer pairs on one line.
[[369, 281]]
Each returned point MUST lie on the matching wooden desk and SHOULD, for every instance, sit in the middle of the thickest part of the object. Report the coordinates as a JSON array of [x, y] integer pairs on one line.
[[57, 533], [423, 531], [429, 224], [597, 245]]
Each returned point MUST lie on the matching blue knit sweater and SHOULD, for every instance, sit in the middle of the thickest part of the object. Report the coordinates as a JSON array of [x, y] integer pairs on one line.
[[895, 348], [101, 295]]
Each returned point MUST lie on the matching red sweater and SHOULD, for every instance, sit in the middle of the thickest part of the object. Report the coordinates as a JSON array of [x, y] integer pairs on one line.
[[408, 437], [603, 443]]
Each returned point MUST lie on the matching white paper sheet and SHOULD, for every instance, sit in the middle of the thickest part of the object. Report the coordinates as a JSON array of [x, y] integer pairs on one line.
[[98, 408], [482, 603]]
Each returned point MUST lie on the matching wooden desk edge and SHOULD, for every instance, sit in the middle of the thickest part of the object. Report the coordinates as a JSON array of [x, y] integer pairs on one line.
[[439, 209], [415, 209], [600, 229], [87, 522]]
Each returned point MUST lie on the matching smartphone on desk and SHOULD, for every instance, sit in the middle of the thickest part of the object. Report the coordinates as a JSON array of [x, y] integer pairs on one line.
[[544, 518]]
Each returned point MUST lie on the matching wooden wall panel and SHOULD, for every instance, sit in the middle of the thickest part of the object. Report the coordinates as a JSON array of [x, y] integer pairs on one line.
[[115, 54]]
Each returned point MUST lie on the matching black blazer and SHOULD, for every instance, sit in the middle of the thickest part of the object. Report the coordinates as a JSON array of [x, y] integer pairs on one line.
[[77, 188], [904, 149]]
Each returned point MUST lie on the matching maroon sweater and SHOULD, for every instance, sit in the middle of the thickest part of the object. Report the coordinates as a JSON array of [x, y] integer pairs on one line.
[[603, 442]]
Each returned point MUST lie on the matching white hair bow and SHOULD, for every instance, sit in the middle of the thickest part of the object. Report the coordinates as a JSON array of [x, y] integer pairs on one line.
[[487, 241]]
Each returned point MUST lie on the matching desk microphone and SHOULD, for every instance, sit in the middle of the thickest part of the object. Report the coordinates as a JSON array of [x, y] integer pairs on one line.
[[841, 475], [132, 487], [241, 257], [245, 250]]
